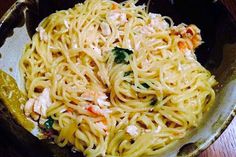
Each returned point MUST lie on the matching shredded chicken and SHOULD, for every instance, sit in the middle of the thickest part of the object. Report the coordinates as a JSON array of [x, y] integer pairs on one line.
[[38, 107], [189, 55], [98, 98], [66, 23], [158, 129], [106, 30], [96, 110], [158, 22], [148, 30], [132, 130], [102, 126], [42, 34], [96, 50], [29, 107], [117, 17]]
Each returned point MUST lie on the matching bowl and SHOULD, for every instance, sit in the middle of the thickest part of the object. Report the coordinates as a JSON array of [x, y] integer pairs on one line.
[[217, 54]]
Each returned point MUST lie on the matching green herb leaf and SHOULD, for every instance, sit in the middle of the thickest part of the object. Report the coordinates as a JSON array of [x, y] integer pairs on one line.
[[48, 124], [127, 73], [121, 55], [145, 85], [153, 102]]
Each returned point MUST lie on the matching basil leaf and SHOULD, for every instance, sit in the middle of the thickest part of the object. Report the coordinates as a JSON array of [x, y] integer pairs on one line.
[[48, 124], [127, 73], [121, 55], [145, 85]]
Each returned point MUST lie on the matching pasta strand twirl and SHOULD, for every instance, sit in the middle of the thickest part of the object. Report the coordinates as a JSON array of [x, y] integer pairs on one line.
[[108, 77]]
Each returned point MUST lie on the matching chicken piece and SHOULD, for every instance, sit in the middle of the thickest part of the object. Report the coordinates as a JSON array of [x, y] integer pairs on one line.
[[66, 23], [102, 126], [132, 130], [96, 50], [106, 30], [96, 110], [148, 30], [38, 107], [28, 108], [158, 22], [117, 17], [99, 98], [42, 34], [42, 103], [158, 129]]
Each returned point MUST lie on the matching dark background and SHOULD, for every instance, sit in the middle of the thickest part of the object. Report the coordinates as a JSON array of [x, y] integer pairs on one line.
[[7, 148]]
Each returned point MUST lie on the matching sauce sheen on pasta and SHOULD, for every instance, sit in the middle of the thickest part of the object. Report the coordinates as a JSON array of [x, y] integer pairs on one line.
[[111, 79]]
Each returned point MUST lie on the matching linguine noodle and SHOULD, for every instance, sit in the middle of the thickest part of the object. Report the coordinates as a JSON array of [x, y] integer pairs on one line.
[[111, 79]]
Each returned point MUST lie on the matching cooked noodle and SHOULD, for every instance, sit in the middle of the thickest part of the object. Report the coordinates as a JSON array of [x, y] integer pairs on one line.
[[115, 80]]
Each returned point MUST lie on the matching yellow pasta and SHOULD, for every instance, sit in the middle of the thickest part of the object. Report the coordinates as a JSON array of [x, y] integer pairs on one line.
[[114, 80]]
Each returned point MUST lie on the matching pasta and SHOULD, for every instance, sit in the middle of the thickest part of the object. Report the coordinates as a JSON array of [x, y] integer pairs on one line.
[[107, 77]]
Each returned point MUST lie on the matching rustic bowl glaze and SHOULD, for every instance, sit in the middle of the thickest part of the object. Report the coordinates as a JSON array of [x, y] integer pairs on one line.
[[217, 54]]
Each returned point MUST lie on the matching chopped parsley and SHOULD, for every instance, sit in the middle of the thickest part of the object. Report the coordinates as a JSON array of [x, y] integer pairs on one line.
[[48, 124], [121, 55], [127, 73], [153, 102], [145, 85]]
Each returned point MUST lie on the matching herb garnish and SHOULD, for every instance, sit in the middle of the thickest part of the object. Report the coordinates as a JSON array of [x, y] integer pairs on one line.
[[121, 55], [145, 85], [48, 124], [127, 73]]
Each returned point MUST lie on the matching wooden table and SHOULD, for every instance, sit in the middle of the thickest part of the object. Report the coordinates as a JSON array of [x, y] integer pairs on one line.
[[225, 146]]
